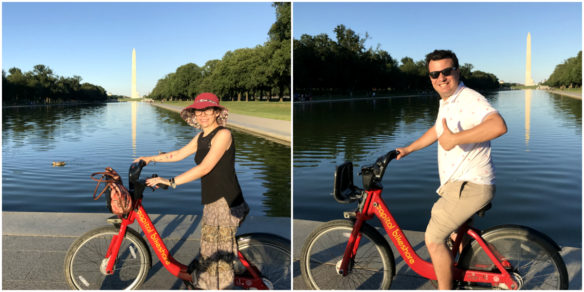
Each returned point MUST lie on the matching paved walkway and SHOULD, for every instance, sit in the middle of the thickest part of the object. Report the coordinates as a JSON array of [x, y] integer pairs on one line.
[[576, 95], [34, 245], [276, 130]]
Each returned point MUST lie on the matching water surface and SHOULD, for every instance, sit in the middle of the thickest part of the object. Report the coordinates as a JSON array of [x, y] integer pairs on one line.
[[91, 137], [538, 162]]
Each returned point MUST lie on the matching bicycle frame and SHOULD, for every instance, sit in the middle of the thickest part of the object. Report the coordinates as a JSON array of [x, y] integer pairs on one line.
[[173, 266], [374, 206]]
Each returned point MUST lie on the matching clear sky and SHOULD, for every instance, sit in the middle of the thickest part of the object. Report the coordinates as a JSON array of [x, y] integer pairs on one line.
[[491, 36], [95, 40]]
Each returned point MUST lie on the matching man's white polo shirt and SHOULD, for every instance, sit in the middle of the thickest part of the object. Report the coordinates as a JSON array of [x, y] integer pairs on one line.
[[464, 110]]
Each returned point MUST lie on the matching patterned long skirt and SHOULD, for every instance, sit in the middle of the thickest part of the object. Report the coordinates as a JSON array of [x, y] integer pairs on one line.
[[218, 245]]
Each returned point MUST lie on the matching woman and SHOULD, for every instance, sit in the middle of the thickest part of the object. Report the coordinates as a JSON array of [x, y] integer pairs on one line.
[[224, 206]]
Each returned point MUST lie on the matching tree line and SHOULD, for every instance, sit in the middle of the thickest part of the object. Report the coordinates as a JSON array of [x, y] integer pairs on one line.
[[345, 66], [242, 74], [567, 74], [42, 86]]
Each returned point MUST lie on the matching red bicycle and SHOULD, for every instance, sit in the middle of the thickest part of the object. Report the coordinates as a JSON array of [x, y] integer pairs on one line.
[[117, 257], [350, 254]]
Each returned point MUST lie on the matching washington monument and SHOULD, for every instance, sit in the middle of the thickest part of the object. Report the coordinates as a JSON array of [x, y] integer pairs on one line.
[[528, 79], [134, 92]]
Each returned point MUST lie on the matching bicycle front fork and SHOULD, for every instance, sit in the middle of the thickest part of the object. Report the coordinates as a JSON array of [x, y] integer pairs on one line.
[[345, 265], [114, 248]]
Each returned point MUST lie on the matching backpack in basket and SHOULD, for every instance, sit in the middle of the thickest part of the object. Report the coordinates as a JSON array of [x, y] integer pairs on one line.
[[119, 200]]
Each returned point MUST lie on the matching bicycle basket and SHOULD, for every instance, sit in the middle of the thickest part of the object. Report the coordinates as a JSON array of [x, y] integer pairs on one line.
[[344, 191]]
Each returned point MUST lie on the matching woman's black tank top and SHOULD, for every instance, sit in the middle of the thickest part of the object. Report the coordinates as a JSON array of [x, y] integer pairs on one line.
[[222, 181]]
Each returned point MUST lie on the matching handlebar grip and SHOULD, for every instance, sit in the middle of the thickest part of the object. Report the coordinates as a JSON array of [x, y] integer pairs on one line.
[[162, 186], [140, 164], [136, 169]]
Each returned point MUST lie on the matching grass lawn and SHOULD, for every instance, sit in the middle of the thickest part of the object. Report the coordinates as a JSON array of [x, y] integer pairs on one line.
[[263, 109]]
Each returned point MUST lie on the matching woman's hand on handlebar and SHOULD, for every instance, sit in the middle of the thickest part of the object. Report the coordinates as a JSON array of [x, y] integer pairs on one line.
[[146, 159], [403, 152], [154, 181]]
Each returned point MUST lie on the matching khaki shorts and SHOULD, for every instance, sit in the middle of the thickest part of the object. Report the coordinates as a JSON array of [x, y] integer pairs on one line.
[[459, 200]]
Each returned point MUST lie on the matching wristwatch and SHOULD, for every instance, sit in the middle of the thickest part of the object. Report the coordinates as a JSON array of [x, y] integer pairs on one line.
[[172, 183]]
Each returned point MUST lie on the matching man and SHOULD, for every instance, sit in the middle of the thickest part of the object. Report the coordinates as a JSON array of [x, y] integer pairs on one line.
[[465, 125]]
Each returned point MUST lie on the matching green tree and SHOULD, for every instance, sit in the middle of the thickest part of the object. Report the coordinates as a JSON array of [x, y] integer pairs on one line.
[[344, 66], [413, 74], [278, 49], [186, 79], [206, 84], [314, 63], [41, 85], [241, 74], [280, 30], [466, 71], [482, 80], [567, 74], [349, 39]]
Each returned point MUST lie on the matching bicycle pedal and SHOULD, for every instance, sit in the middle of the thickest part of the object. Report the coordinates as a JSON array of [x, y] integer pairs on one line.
[[349, 215], [114, 220]]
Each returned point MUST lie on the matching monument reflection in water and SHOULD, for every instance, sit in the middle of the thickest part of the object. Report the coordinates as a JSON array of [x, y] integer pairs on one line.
[[134, 112], [528, 94]]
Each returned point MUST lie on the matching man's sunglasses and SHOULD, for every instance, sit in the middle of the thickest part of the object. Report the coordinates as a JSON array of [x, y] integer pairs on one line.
[[445, 72]]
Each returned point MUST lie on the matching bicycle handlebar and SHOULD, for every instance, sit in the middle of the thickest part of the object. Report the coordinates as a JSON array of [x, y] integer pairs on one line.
[[136, 184], [135, 170], [344, 191], [384, 160], [373, 174]]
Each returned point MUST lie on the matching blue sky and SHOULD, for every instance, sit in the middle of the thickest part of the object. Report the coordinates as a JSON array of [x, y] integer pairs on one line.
[[491, 36], [95, 40]]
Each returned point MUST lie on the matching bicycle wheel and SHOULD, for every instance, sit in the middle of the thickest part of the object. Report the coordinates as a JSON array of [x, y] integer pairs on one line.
[[270, 254], [534, 257], [372, 268], [85, 262]]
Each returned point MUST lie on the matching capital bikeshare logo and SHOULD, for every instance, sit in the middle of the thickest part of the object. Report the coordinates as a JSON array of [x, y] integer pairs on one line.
[[407, 254], [156, 240]]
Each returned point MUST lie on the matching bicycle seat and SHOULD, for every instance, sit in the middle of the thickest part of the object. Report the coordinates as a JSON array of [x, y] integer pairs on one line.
[[484, 210]]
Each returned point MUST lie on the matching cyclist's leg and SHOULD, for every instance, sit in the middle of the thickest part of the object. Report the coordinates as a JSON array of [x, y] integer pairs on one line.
[[442, 260], [218, 244], [458, 202]]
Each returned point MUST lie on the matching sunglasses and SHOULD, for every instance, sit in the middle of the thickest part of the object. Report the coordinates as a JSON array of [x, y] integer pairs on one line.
[[207, 112], [445, 72]]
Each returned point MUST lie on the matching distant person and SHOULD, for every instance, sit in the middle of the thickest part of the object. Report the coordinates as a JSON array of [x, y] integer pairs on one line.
[[224, 206], [465, 125]]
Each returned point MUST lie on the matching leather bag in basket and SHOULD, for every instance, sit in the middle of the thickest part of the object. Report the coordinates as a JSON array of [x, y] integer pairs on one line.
[[119, 200]]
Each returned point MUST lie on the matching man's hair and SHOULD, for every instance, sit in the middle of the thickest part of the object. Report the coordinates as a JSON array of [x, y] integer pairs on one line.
[[442, 54]]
